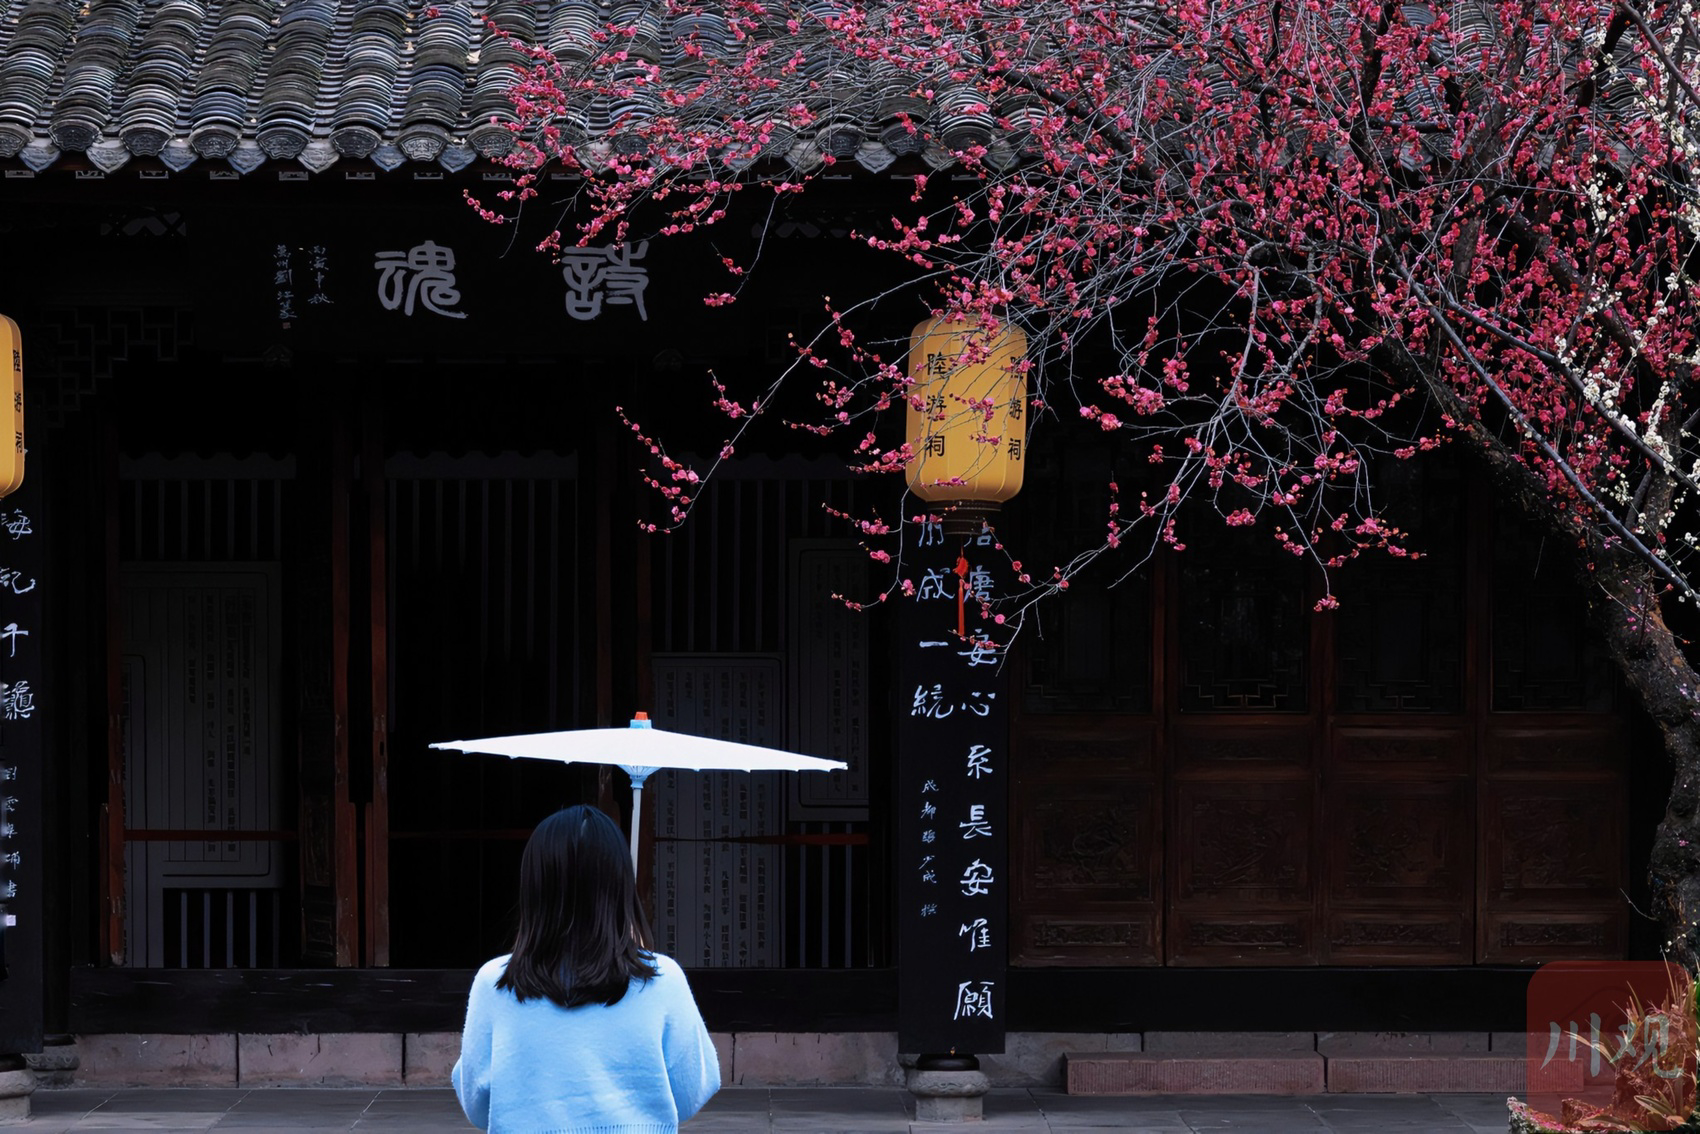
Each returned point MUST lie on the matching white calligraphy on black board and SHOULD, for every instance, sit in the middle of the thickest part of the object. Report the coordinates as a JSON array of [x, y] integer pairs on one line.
[[953, 807], [24, 708]]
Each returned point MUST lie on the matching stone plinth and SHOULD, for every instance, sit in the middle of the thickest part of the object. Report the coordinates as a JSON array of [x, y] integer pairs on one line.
[[947, 1096], [17, 1083], [55, 1065]]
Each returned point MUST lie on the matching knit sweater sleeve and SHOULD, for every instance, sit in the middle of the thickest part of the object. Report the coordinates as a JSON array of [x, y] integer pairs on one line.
[[693, 1068], [471, 1075]]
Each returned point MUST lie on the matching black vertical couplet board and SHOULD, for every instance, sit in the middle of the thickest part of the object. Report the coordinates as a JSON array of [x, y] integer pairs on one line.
[[952, 809], [24, 703]]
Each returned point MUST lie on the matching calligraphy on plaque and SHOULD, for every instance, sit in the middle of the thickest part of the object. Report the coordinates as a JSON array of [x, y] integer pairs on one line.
[[24, 705], [953, 811]]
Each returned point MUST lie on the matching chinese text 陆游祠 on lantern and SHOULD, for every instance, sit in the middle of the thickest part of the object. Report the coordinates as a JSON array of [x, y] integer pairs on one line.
[[967, 418]]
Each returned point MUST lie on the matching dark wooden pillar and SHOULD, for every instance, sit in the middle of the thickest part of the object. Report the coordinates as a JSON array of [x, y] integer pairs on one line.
[[112, 811], [329, 879], [377, 807]]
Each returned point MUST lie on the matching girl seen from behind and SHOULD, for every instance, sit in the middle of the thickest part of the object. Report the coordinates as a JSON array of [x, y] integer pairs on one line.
[[583, 1027]]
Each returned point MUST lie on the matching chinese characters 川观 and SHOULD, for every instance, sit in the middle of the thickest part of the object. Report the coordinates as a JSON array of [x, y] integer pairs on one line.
[[1656, 1043]]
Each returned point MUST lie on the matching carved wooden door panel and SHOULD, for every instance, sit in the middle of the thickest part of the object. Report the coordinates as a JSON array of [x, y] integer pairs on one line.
[[1398, 784], [1088, 841], [1241, 856], [1551, 778], [1399, 845], [1086, 742]]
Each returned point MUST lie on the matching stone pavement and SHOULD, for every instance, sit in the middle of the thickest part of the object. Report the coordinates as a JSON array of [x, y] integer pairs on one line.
[[788, 1110]]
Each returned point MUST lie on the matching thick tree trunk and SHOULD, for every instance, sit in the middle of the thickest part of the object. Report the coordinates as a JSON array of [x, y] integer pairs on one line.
[[1649, 654]]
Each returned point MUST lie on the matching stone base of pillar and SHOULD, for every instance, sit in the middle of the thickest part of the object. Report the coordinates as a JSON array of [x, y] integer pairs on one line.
[[947, 1096], [17, 1084], [55, 1065]]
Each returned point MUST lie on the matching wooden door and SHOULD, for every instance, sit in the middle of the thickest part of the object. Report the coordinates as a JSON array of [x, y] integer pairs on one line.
[[1398, 785], [1086, 742], [1211, 771], [1243, 738]]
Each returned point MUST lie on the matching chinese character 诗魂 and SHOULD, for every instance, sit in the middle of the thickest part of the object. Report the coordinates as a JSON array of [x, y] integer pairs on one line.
[[424, 273], [598, 275]]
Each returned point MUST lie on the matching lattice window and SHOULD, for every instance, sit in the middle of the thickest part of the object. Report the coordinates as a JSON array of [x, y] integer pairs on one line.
[[1400, 628], [1544, 657], [1243, 624], [1090, 652]]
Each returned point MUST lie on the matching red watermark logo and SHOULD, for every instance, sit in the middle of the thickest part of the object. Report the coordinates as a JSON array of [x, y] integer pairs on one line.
[[1611, 1045]]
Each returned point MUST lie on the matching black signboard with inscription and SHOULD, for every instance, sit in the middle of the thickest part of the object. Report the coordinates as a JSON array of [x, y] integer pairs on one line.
[[23, 703], [403, 281], [952, 807]]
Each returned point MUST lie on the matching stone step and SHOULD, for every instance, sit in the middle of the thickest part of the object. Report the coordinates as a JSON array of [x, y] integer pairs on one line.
[[1308, 1072], [1194, 1073], [1440, 1073]]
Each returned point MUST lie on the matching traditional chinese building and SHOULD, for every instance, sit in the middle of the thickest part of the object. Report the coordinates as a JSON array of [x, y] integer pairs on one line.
[[322, 469]]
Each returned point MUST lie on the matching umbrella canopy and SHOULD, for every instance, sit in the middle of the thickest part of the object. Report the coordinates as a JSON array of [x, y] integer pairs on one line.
[[646, 748], [641, 750]]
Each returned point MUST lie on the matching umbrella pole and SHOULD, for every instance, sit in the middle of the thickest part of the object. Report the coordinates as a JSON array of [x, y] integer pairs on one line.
[[638, 775]]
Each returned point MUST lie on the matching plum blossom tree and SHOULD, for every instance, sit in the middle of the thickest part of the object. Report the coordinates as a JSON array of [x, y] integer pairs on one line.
[[1269, 242]]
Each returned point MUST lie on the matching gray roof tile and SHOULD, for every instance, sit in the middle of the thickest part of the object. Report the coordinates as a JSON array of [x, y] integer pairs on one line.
[[304, 83]]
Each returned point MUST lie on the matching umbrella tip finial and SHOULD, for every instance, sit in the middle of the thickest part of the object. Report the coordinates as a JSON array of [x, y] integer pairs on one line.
[[640, 719]]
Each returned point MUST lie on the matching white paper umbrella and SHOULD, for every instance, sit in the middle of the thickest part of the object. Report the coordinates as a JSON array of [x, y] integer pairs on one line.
[[642, 750]]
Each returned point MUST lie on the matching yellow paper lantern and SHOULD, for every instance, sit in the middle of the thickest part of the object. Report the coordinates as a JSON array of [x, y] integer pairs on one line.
[[12, 389], [967, 419]]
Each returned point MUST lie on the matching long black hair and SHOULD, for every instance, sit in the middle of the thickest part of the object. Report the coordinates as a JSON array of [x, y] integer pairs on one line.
[[582, 934]]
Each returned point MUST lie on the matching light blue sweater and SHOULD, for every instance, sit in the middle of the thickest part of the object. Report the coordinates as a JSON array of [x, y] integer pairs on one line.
[[641, 1066]]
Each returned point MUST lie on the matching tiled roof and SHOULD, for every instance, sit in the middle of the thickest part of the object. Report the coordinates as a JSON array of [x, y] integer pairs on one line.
[[305, 84], [238, 83]]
